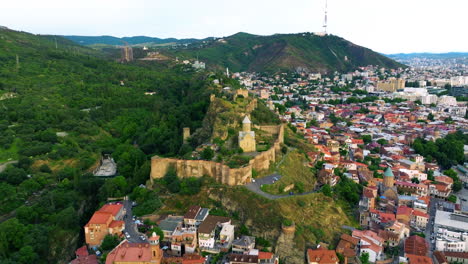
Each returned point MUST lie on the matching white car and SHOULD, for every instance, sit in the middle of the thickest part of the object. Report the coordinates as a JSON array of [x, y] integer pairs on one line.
[[127, 235]]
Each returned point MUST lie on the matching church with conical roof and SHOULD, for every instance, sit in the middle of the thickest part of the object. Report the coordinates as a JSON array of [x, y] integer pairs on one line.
[[388, 189], [247, 136]]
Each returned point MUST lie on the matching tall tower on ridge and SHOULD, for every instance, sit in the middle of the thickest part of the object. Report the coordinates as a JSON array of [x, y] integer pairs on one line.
[[325, 20]]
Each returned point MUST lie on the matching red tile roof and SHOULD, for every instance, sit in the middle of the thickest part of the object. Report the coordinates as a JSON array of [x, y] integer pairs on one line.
[[416, 245], [100, 218], [415, 259], [420, 214], [265, 255], [193, 259], [322, 256], [114, 209], [463, 255], [130, 252], [82, 251], [440, 257], [404, 210], [116, 224]]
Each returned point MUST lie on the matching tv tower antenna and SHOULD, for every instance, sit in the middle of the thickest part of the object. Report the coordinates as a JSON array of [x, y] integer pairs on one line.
[[325, 20]]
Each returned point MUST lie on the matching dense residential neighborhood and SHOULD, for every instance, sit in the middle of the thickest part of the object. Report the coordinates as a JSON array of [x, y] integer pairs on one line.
[[403, 145]]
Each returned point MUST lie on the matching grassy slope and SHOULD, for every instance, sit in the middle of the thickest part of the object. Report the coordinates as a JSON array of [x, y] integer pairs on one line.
[[294, 171], [263, 217]]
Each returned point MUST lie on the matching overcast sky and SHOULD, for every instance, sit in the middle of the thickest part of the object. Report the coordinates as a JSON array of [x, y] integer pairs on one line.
[[387, 26]]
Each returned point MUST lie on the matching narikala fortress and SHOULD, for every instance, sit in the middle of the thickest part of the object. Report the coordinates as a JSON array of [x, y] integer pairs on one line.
[[219, 171]]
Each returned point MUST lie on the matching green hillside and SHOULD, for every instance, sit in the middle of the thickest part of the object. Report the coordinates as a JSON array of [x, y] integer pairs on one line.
[[284, 52], [48, 85]]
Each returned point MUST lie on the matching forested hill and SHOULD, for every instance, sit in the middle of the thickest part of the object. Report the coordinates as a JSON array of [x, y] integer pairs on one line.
[[284, 52], [61, 106], [137, 40]]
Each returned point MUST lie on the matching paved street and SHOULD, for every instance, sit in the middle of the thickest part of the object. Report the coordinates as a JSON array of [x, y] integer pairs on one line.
[[270, 179], [130, 226], [430, 227], [4, 165]]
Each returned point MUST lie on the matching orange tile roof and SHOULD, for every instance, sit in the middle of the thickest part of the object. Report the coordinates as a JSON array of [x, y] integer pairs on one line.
[[416, 245], [374, 247], [444, 179], [265, 255], [415, 259], [462, 255], [130, 252], [116, 224], [114, 209], [322, 256], [387, 217], [193, 259], [421, 214], [100, 218], [404, 210]]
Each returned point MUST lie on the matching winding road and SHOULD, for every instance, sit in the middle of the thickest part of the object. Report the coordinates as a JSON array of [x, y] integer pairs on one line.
[[4, 165], [270, 179]]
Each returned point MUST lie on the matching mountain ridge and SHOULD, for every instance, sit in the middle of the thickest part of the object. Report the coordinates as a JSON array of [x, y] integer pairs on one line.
[[283, 52]]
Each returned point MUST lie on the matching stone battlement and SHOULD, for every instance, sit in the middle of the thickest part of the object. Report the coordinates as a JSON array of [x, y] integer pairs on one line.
[[220, 172]]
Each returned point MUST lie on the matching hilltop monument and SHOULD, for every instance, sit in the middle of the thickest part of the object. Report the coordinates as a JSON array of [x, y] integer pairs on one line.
[[246, 136]]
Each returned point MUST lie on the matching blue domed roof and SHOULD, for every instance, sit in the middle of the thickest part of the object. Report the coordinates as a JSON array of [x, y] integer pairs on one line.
[[388, 173]]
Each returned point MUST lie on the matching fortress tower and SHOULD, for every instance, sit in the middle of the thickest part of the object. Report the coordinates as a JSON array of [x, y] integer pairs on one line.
[[247, 137], [186, 134]]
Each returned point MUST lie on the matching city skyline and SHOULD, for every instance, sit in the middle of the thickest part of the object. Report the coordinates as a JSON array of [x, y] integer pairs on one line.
[[396, 27]]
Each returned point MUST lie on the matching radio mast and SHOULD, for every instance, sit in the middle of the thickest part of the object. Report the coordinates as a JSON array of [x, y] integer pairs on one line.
[[325, 20]]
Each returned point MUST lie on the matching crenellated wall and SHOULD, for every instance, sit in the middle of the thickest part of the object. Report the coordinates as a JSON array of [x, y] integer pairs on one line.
[[220, 172]]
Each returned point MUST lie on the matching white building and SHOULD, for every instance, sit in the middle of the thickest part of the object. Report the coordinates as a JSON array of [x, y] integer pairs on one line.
[[429, 99], [451, 241], [447, 100]]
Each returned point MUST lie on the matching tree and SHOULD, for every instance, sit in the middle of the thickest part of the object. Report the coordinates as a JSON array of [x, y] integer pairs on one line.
[[207, 154], [13, 175], [171, 180], [382, 141], [364, 258], [312, 123], [110, 242], [430, 175], [415, 180], [367, 139], [452, 198], [27, 255], [326, 190], [45, 168], [430, 117]]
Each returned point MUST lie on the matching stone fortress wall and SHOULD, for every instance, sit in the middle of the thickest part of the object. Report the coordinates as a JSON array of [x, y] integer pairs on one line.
[[220, 172]]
